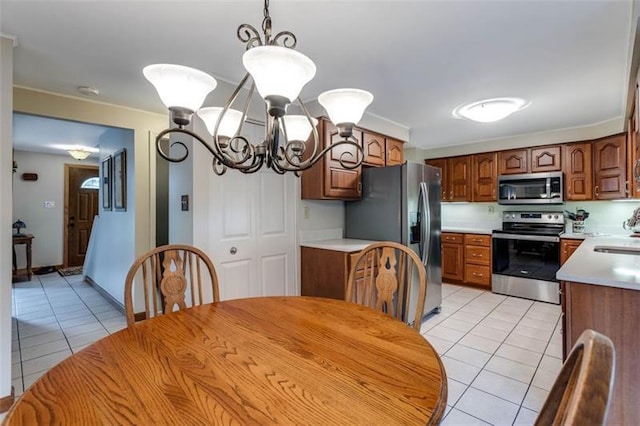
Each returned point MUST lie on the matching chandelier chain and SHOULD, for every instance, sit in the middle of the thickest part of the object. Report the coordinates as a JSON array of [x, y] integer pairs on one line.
[[266, 23]]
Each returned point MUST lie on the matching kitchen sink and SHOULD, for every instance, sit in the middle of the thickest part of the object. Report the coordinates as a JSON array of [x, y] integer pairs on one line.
[[618, 250]]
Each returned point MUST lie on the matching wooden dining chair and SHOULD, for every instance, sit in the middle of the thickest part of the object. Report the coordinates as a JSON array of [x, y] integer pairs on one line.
[[582, 391], [381, 277], [167, 274]]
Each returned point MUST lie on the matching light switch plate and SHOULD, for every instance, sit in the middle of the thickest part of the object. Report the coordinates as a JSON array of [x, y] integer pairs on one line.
[[49, 204]]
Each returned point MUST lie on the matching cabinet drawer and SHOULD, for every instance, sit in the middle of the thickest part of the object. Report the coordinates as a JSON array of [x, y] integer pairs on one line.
[[477, 240], [477, 255], [448, 237], [477, 274]]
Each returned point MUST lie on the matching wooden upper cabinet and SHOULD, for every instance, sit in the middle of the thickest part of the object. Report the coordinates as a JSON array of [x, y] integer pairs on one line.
[[441, 163], [513, 161], [459, 175], [578, 172], [484, 173], [373, 146], [633, 152], [546, 159], [609, 167], [327, 179], [395, 152]]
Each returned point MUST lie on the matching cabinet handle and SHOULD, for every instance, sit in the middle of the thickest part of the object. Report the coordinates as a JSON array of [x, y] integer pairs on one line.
[[626, 186], [475, 240], [359, 187], [636, 171], [477, 275], [451, 194], [595, 190], [476, 255]]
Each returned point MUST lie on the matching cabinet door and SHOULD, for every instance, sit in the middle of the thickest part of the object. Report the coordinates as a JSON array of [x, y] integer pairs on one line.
[[633, 153], [578, 173], [395, 152], [374, 149], [484, 176], [339, 182], [546, 159], [459, 170], [567, 247], [610, 170], [441, 163], [452, 261], [513, 162]]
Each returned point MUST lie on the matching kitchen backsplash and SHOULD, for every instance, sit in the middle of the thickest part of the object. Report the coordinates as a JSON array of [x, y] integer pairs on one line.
[[604, 216]]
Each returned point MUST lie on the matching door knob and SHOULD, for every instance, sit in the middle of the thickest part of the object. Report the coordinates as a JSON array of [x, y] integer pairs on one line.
[[233, 250]]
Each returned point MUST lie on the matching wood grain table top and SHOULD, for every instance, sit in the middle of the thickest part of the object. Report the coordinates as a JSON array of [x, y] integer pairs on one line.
[[274, 360]]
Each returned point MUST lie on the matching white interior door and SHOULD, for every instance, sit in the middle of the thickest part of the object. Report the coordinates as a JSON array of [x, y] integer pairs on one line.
[[252, 230]]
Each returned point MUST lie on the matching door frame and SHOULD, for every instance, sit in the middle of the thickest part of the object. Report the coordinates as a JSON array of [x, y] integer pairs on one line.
[[65, 215]]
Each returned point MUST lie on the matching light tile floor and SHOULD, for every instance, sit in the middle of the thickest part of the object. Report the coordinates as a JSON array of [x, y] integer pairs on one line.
[[53, 317], [501, 353]]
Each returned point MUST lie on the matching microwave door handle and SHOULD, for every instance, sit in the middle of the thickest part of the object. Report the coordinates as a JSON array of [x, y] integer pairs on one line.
[[425, 231], [548, 188]]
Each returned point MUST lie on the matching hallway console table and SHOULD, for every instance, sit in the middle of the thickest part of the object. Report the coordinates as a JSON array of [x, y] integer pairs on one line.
[[26, 240]]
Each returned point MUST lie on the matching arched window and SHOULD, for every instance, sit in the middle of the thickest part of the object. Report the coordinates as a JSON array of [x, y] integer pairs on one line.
[[91, 183]]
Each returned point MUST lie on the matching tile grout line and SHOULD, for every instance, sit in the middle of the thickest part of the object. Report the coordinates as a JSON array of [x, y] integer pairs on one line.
[[502, 342]]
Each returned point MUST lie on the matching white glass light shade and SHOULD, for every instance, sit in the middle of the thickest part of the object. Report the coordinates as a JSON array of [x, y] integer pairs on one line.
[[278, 71], [490, 110], [229, 124], [79, 153], [298, 127], [345, 105], [180, 86]]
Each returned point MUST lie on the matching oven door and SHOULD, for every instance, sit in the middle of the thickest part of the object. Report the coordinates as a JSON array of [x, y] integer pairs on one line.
[[526, 265]]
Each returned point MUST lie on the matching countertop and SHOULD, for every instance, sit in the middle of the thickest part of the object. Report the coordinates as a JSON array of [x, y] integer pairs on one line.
[[465, 230], [343, 244], [607, 269]]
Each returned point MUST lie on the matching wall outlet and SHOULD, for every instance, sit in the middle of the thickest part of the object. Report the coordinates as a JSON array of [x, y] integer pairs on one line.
[[492, 209], [305, 212], [49, 204]]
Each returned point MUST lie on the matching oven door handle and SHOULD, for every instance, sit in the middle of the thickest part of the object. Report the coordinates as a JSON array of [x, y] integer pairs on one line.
[[546, 238]]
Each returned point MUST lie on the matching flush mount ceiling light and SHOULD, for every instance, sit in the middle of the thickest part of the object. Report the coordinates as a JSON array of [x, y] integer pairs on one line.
[[279, 73], [79, 153], [490, 110]]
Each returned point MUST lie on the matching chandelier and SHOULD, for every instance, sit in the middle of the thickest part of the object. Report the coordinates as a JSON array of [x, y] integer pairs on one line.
[[279, 73]]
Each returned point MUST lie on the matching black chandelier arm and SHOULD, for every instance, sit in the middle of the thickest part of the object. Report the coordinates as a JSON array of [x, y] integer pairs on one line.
[[249, 35], [313, 160], [168, 156]]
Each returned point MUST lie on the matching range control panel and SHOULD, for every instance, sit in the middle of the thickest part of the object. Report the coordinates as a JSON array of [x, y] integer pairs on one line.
[[533, 217]]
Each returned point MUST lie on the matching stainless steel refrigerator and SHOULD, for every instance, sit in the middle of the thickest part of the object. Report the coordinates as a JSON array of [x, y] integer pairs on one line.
[[402, 204]]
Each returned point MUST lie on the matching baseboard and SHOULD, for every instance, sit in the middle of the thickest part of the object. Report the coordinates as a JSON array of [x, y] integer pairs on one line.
[[7, 401], [116, 304]]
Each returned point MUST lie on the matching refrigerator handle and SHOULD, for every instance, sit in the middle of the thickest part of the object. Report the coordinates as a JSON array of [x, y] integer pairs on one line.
[[425, 223]]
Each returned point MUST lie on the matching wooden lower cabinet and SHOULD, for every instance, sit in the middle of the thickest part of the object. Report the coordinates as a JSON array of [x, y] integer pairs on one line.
[[452, 256], [466, 259], [613, 312], [477, 255], [324, 273], [567, 247]]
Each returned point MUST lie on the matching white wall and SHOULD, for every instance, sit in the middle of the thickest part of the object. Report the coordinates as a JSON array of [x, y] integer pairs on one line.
[[6, 106], [46, 225], [113, 249]]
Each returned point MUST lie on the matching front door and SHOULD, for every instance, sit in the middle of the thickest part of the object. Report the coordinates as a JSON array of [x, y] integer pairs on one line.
[[81, 201]]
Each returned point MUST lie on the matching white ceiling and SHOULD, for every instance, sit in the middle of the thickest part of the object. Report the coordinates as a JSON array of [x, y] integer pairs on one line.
[[420, 59]]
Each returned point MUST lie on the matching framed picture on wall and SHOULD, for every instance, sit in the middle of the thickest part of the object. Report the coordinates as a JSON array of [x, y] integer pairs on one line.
[[106, 183], [120, 180]]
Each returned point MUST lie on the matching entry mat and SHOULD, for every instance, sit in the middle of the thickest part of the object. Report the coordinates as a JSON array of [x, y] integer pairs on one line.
[[72, 270]]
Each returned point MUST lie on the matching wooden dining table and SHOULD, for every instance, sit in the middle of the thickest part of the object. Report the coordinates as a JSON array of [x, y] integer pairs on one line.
[[271, 360]]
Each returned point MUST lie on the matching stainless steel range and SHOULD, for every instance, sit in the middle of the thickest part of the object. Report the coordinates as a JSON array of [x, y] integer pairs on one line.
[[526, 255]]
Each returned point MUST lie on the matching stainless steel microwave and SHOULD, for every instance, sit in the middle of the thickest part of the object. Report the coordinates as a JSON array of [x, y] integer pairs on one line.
[[532, 188]]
